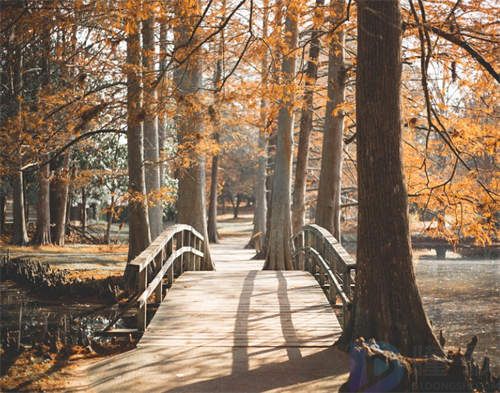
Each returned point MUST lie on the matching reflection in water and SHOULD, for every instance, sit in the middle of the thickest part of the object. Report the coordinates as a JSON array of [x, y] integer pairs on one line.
[[461, 297], [26, 321]]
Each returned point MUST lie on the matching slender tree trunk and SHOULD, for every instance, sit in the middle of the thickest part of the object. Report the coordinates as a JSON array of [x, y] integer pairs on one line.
[[279, 252], [236, 209], [139, 235], [388, 306], [59, 200], [42, 236], [187, 82], [328, 206], [162, 119], [151, 149], [83, 213], [260, 211], [213, 235], [306, 123], [20, 232], [3, 202], [109, 220]]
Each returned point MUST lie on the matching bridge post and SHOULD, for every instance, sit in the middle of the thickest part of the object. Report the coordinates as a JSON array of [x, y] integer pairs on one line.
[[307, 244], [347, 282], [141, 316], [168, 251], [199, 247], [159, 289], [182, 240]]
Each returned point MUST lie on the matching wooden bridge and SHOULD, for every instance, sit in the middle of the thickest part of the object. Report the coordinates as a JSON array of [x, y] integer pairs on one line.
[[236, 329]]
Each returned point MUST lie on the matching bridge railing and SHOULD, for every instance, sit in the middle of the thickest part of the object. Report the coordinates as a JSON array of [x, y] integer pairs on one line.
[[178, 248], [318, 252]]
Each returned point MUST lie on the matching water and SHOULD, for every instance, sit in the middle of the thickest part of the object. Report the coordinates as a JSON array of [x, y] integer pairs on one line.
[[26, 321], [461, 297]]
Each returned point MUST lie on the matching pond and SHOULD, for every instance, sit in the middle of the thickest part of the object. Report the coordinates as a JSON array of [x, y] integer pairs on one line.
[[26, 320], [461, 297]]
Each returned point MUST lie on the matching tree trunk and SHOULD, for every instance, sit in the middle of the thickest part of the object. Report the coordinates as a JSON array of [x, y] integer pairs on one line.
[[151, 149], [20, 232], [42, 236], [213, 235], [236, 208], [162, 120], [59, 200], [279, 256], [388, 306], [83, 213], [328, 206], [139, 235], [187, 83], [3, 200], [109, 220], [260, 211], [306, 122]]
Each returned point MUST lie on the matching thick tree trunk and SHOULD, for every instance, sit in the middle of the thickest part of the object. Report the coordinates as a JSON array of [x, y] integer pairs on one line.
[[306, 123], [139, 235], [388, 306], [59, 202], [279, 256], [20, 233], [328, 206], [42, 236], [187, 82], [151, 149]]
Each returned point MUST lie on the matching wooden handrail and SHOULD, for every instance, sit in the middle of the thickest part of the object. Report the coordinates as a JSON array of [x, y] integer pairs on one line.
[[178, 248], [317, 251]]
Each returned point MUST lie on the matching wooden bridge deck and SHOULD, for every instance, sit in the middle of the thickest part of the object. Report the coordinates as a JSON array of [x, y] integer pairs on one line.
[[238, 329]]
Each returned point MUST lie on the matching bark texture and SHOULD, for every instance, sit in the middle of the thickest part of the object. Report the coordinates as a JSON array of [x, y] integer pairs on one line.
[[59, 201], [151, 139], [42, 236], [20, 233], [191, 207], [214, 111], [328, 206], [258, 238], [306, 123], [279, 251], [388, 304], [139, 235]]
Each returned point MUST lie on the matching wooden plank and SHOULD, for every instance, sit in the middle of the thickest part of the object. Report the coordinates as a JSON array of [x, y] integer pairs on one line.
[[252, 308]]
